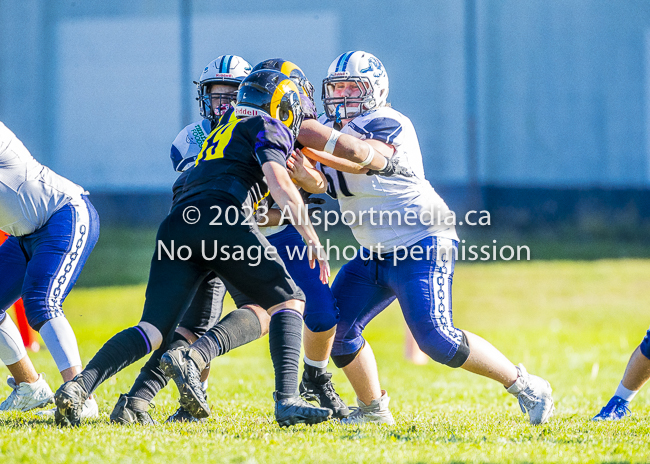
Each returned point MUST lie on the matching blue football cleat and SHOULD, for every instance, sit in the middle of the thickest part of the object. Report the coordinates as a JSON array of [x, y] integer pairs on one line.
[[616, 409]]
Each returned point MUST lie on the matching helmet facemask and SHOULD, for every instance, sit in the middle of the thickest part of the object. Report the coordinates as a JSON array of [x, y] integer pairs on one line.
[[367, 72], [228, 71], [214, 105], [341, 107]]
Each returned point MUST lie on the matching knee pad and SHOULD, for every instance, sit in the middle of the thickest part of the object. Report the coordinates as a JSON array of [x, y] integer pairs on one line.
[[461, 354], [321, 321], [439, 351], [37, 312], [645, 345], [343, 360]]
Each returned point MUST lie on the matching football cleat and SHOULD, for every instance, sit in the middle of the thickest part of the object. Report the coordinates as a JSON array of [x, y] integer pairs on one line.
[[292, 410], [534, 396], [376, 412], [27, 396], [131, 410], [180, 365], [616, 409], [321, 390], [182, 415], [90, 410], [69, 400]]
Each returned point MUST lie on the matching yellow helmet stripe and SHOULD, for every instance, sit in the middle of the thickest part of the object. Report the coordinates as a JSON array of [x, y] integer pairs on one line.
[[287, 67], [285, 86]]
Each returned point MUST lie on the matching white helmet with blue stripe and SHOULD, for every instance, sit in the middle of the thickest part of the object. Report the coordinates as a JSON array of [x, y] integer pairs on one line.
[[369, 75], [227, 70]]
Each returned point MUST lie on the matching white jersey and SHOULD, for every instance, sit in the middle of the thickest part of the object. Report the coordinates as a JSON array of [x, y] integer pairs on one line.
[[30, 193], [187, 144], [389, 211]]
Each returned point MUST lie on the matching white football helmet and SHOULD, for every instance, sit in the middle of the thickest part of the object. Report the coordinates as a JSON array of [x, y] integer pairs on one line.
[[367, 72], [227, 70]]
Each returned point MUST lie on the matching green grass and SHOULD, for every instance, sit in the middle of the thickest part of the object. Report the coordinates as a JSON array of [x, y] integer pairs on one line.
[[122, 256], [574, 323]]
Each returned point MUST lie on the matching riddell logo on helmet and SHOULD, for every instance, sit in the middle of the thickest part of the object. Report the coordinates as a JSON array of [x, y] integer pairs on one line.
[[224, 75], [340, 74], [242, 111]]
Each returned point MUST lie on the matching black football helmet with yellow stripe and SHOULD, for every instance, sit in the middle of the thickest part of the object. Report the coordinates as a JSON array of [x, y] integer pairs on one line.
[[292, 71], [272, 93]]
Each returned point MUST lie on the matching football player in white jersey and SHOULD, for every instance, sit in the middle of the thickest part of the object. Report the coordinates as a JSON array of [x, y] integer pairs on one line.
[[409, 249], [53, 228]]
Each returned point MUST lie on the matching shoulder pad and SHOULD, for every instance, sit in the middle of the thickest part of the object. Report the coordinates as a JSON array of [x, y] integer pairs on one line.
[[380, 125]]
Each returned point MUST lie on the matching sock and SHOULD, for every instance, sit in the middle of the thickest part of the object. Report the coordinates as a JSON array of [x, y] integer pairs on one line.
[[624, 393], [123, 349], [315, 368], [151, 378], [204, 385], [61, 342], [12, 348], [236, 329], [285, 339]]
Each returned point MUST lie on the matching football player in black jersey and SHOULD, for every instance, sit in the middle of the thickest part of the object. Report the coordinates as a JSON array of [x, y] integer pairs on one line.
[[209, 229], [217, 91]]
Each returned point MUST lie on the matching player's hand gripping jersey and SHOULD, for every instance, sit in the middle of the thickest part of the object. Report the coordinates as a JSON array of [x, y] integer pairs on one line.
[[391, 211], [229, 166], [30, 193]]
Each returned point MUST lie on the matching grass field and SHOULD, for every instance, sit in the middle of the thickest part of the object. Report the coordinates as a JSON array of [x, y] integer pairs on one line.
[[574, 323]]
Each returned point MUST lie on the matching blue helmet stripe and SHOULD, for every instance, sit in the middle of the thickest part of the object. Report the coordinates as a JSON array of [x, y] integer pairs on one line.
[[345, 57], [225, 64]]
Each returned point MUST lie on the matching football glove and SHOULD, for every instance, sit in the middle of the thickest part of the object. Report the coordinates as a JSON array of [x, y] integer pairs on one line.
[[393, 168]]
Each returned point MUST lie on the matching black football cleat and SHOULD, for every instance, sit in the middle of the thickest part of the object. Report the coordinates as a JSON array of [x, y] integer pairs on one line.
[[292, 410], [131, 410], [321, 390], [181, 366], [69, 400], [181, 415]]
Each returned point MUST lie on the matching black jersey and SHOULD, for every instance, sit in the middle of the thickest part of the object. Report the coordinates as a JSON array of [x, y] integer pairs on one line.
[[229, 166]]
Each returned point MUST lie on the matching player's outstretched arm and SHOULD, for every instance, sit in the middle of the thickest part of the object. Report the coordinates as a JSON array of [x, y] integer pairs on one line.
[[327, 159], [343, 165], [285, 194], [319, 137]]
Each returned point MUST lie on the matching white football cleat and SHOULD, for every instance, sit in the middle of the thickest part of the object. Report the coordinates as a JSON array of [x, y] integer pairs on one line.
[[534, 396], [376, 412], [27, 396], [90, 410]]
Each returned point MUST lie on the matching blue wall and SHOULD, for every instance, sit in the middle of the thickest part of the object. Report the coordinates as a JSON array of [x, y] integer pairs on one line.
[[561, 93]]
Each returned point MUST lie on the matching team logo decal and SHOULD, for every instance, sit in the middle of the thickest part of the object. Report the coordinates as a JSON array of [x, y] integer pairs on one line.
[[374, 65]]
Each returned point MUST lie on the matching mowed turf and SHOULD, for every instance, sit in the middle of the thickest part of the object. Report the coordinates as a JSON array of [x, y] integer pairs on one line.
[[574, 323]]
